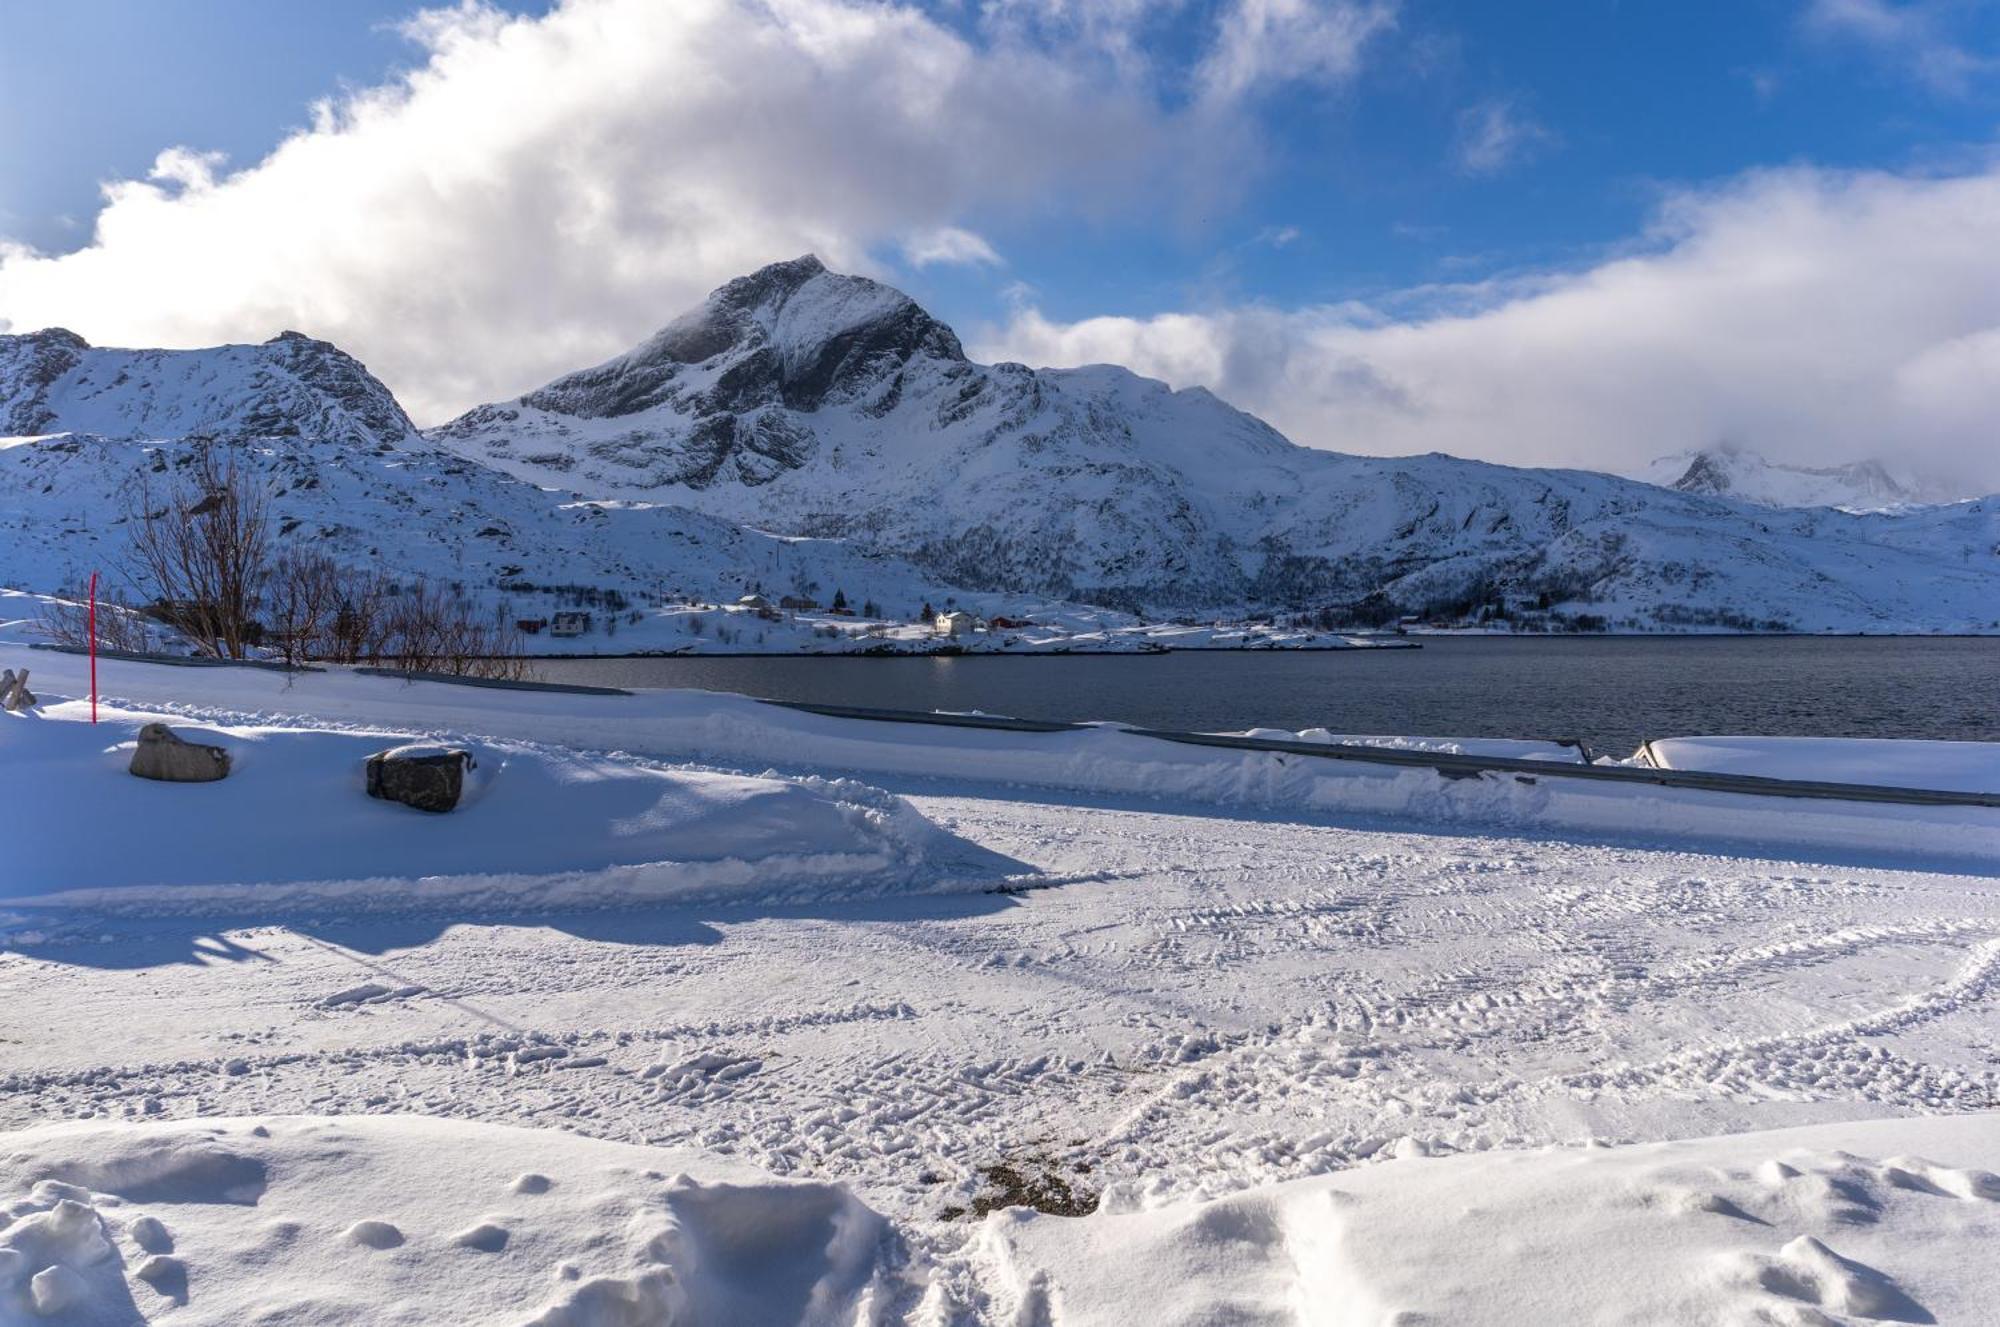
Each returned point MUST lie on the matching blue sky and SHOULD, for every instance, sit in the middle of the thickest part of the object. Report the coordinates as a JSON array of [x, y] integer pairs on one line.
[[1341, 164]]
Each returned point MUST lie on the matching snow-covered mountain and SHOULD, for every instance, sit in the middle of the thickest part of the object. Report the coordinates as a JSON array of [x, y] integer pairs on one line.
[[1734, 471], [803, 431], [348, 473], [812, 403], [289, 387]]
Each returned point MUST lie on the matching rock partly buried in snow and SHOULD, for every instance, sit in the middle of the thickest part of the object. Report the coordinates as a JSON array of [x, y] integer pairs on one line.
[[430, 778], [165, 755], [14, 693]]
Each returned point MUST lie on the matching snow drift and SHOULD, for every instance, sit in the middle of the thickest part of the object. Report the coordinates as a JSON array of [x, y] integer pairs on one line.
[[403, 1220], [407, 1220], [537, 824]]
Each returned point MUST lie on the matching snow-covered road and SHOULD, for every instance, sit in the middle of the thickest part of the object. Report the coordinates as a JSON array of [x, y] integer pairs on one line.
[[1191, 1002]]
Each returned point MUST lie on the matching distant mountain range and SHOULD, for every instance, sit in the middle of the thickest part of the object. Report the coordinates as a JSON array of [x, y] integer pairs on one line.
[[807, 428], [1734, 471]]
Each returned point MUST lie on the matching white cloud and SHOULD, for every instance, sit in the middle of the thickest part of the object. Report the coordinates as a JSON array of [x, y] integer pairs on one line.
[[1815, 315], [1495, 135], [1264, 43], [1915, 35], [952, 245], [542, 192]]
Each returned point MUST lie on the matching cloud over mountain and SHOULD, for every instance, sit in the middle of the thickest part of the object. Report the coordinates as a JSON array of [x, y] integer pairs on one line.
[[538, 190], [1818, 315]]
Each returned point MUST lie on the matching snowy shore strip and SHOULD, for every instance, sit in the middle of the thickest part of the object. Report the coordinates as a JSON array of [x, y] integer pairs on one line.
[[1105, 760]]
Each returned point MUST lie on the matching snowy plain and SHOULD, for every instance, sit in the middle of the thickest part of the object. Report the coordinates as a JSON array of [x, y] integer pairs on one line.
[[1319, 1047]]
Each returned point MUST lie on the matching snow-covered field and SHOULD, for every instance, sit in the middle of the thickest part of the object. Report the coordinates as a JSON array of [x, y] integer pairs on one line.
[[1317, 1046]]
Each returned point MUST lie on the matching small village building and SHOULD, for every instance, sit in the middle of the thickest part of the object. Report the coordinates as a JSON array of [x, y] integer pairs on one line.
[[954, 624], [569, 623]]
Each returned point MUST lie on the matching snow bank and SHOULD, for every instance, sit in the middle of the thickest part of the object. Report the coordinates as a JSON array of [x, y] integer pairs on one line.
[[733, 730], [1803, 1226], [292, 823], [387, 1219], [1509, 748], [1948, 766]]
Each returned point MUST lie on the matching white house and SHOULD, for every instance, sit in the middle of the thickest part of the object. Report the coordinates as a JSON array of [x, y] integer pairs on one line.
[[953, 624]]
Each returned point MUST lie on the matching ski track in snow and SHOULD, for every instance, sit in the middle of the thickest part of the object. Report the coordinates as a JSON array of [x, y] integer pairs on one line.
[[1196, 1004]]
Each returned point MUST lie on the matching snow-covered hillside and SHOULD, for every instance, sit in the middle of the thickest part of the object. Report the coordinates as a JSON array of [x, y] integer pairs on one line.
[[1734, 471], [814, 403]]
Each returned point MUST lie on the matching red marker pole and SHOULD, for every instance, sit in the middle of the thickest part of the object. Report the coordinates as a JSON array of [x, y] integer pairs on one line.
[[93, 647]]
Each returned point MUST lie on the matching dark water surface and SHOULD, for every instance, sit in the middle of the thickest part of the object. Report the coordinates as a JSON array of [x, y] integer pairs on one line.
[[1612, 691]]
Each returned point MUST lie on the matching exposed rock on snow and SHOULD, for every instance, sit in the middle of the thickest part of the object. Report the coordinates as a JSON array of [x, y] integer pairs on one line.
[[161, 753], [420, 775]]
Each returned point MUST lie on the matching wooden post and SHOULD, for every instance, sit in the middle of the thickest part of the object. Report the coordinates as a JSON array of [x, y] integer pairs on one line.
[[93, 647]]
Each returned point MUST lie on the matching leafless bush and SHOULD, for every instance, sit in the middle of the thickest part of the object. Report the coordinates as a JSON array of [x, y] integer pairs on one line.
[[433, 629], [202, 560], [67, 622], [303, 599], [198, 550], [322, 611]]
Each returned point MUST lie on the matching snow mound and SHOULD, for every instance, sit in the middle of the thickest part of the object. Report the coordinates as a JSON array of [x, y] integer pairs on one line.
[[1892, 763], [536, 824], [1794, 1226], [405, 1220]]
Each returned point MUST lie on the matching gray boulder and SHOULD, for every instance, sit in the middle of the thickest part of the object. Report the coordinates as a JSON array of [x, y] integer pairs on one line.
[[165, 755], [430, 778]]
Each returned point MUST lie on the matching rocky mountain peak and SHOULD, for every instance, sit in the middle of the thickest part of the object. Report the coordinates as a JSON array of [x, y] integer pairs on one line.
[[791, 334]]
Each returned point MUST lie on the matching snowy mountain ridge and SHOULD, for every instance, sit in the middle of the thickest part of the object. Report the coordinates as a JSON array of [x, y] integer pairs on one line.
[[804, 430], [291, 386], [812, 403], [1734, 471]]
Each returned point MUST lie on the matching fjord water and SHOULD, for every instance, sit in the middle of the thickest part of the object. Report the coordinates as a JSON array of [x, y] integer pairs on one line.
[[1611, 691]]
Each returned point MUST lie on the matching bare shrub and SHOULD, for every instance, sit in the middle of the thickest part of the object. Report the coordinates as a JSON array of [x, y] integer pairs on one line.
[[119, 627], [302, 598], [198, 550]]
